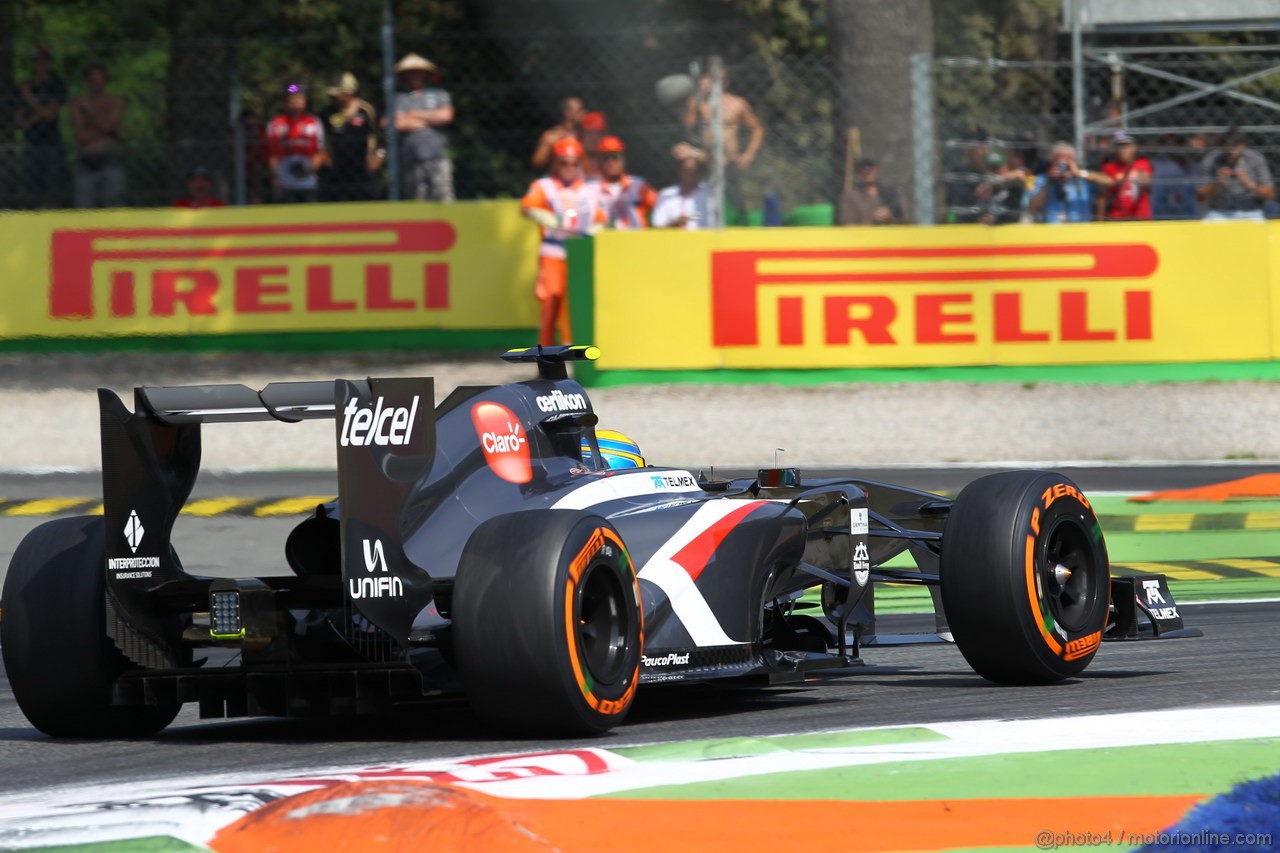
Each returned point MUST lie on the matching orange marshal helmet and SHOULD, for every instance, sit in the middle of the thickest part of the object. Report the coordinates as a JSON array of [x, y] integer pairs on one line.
[[595, 123], [611, 145], [566, 148]]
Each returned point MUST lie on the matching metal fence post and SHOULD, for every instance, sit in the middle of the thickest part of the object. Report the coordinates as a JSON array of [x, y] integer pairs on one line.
[[922, 136], [715, 67], [239, 195], [389, 97], [1077, 75]]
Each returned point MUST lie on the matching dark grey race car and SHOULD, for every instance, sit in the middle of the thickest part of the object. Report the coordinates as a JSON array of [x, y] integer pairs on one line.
[[475, 548]]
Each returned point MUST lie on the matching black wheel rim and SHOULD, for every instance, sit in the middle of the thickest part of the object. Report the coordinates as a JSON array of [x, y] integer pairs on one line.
[[1069, 574], [603, 624]]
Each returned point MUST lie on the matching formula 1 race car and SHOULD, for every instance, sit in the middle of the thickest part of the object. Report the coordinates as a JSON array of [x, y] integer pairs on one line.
[[477, 548]]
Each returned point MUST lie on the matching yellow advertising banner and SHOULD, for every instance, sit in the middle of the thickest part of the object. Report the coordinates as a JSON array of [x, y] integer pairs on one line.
[[333, 267], [956, 295]]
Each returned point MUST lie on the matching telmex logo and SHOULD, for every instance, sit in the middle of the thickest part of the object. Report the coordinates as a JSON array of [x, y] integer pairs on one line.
[[504, 441], [743, 282], [392, 425], [174, 264]]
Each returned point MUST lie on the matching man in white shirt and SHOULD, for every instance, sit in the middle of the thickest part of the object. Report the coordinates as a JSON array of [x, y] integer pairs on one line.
[[685, 205]]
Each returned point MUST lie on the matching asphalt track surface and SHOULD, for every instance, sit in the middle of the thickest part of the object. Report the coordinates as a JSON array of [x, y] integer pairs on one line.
[[1231, 664]]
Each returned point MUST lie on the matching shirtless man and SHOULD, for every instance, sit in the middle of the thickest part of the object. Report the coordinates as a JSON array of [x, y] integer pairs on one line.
[[95, 120], [571, 113], [737, 115]]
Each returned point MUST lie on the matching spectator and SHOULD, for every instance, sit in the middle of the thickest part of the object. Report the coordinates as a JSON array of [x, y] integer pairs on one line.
[[1173, 171], [688, 203], [1129, 194], [95, 121], [963, 203], [1024, 154], [571, 113], [257, 158], [351, 130], [1064, 192], [736, 115], [999, 193], [199, 191], [426, 173], [296, 145], [626, 199], [594, 128], [39, 100], [564, 205], [1235, 181], [867, 202]]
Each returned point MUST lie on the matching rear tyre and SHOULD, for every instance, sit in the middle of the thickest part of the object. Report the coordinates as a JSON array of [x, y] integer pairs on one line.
[[60, 662], [1025, 577], [547, 623]]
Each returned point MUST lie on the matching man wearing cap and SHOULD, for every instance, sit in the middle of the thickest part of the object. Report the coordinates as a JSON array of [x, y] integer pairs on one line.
[[571, 113], [867, 202], [625, 199], [39, 100], [426, 173], [199, 191], [296, 144], [351, 128], [563, 205], [1129, 194], [1235, 182], [686, 204]]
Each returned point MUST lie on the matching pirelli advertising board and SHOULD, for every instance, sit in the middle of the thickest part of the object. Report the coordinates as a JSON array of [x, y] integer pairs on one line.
[[957, 295], [297, 268]]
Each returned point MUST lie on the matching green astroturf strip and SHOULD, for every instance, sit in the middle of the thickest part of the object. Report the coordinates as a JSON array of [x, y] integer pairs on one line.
[[1192, 545], [1222, 590], [1195, 768], [1105, 505], [745, 747], [150, 844], [892, 598], [1090, 374]]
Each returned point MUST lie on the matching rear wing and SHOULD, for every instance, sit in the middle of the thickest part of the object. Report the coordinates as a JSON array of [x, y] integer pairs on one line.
[[219, 404], [385, 439]]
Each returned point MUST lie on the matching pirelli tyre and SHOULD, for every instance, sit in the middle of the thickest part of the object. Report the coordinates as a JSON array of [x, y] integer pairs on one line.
[[60, 662], [1025, 577], [547, 623]]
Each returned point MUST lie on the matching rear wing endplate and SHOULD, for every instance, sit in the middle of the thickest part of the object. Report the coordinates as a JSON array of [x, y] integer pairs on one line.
[[385, 440]]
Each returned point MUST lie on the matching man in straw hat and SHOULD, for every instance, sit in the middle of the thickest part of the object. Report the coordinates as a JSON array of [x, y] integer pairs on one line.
[[352, 130], [421, 112]]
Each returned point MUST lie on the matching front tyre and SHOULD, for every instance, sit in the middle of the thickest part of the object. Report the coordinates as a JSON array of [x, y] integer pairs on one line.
[[1025, 577], [547, 623], [60, 662]]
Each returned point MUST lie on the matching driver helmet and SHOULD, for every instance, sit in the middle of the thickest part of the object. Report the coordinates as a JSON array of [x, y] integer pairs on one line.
[[616, 449]]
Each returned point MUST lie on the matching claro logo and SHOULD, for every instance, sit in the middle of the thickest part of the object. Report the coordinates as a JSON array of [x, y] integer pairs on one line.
[[379, 425], [247, 270], [504, 441], [841, 297]]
